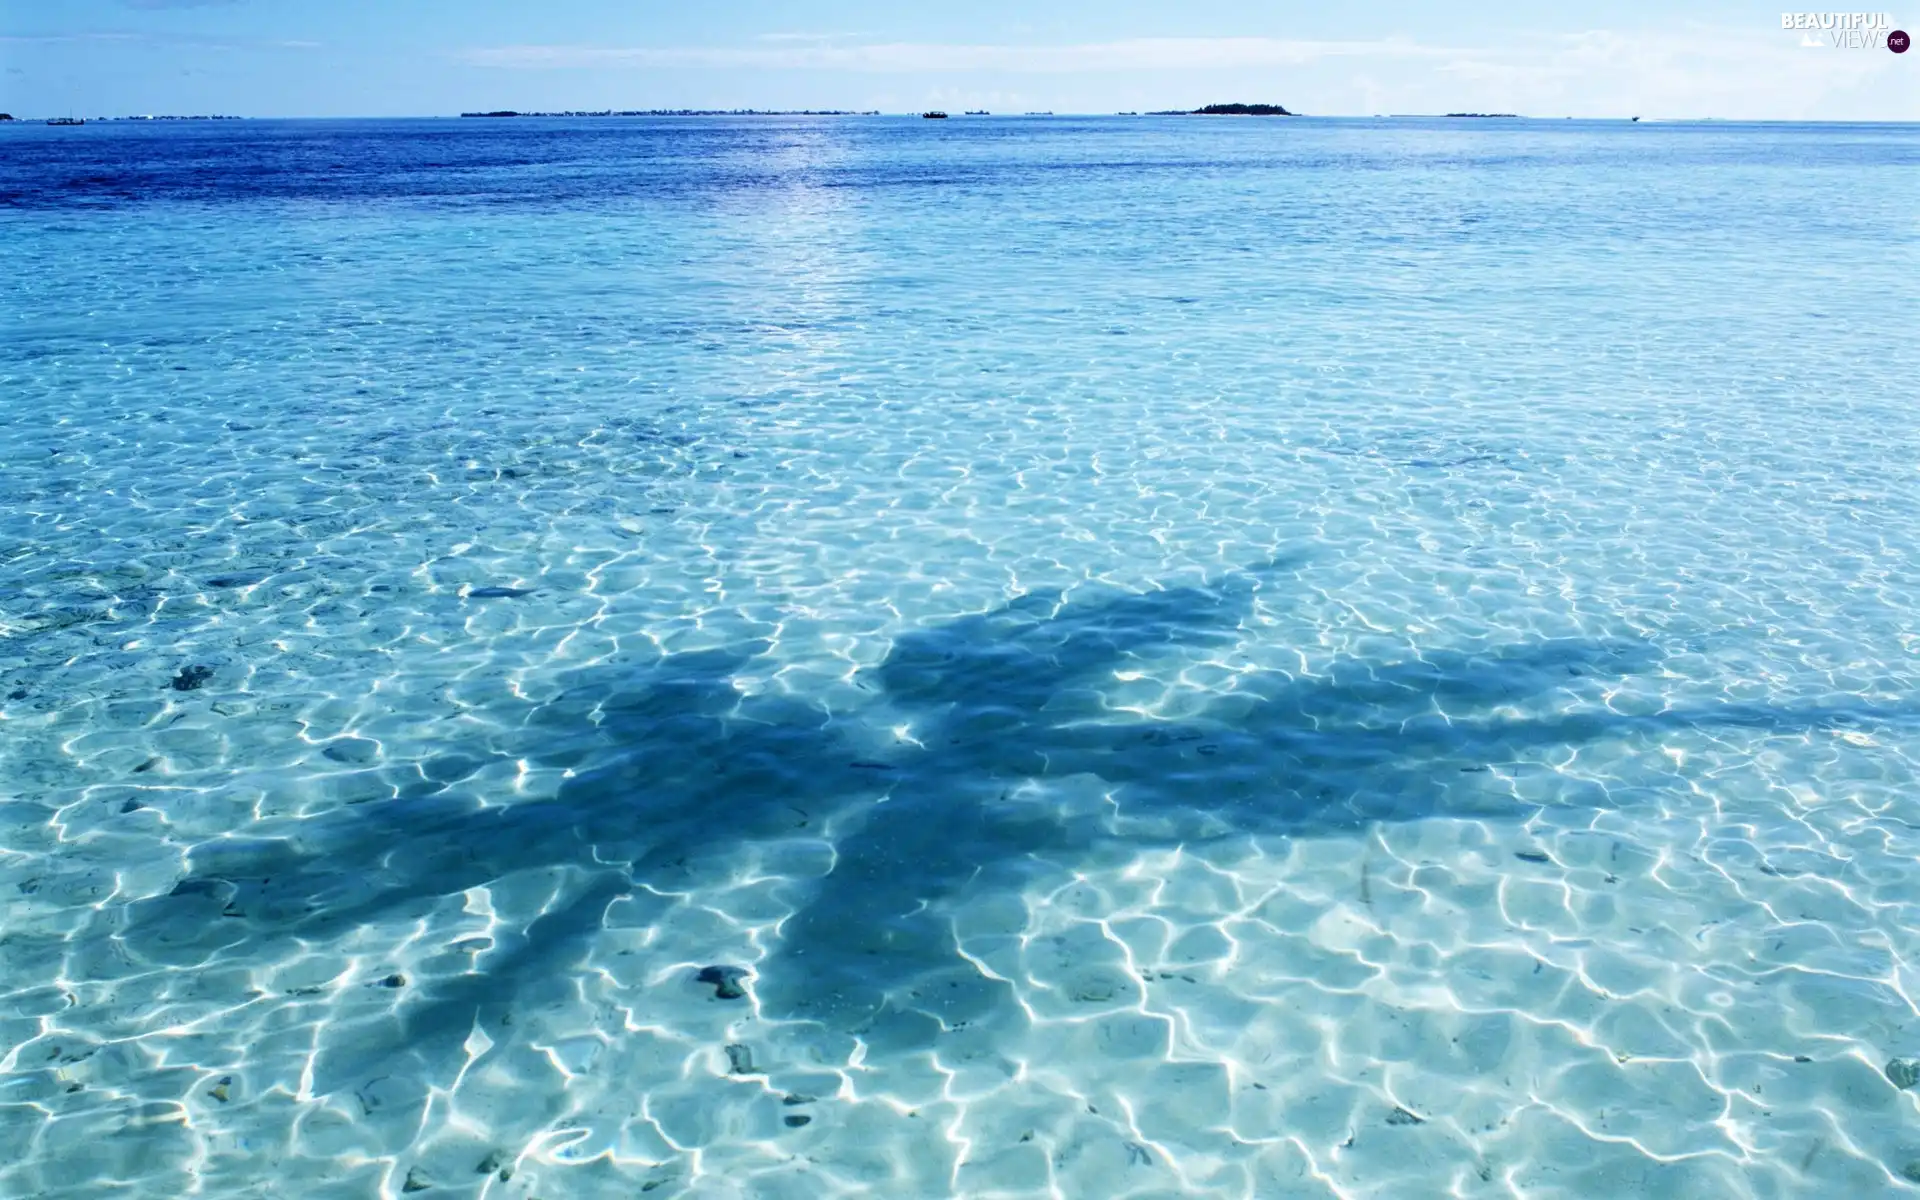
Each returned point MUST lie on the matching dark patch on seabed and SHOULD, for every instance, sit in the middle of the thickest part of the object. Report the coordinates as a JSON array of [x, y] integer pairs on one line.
[[677, 761]]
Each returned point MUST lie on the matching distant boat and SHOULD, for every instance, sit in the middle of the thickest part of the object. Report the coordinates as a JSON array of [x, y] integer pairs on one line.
[[978, 112], [66, 120], [934, 116]]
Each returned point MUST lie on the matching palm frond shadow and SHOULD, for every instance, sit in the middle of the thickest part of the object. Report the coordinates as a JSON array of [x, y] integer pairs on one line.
[[673, 761]]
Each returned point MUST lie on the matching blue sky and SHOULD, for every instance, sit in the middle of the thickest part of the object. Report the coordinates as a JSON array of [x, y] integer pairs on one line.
[[425, 57]]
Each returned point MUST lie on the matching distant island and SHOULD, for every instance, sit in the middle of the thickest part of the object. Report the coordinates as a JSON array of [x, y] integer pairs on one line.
[[77, 121], [1223, 110], [1242, 110], [1483, 114], [684, 112]]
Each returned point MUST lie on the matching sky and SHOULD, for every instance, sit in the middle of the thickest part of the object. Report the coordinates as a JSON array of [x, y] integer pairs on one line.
[[338, 58]]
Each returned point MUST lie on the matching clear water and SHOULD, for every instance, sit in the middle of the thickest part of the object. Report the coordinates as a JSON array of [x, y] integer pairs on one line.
[[1166, 657]]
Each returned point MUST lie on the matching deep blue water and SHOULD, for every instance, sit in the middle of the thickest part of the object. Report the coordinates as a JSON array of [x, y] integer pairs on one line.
[[1158, 656]]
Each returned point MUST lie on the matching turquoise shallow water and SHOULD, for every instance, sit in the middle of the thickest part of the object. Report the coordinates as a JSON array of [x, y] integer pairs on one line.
[[1152, 657]]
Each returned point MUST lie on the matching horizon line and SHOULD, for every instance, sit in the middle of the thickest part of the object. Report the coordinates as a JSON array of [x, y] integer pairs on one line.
[[695, 113]]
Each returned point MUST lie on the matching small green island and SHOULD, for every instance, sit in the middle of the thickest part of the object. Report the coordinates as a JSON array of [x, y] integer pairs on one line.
[[1228, 110]]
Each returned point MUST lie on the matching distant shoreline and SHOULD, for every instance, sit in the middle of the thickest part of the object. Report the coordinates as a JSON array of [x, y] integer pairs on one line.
[[11, 119]]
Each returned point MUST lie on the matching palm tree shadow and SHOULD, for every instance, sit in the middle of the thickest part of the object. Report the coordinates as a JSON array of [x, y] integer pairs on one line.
[[1004, 704], [421, 1033], [1002, 710], [696, 763]]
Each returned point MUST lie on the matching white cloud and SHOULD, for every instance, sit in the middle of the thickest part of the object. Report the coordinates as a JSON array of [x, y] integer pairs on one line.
[[1690, 70], [1686, 70], [1135, 54]]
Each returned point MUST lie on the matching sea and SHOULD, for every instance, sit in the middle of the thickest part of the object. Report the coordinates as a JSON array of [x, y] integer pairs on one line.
[[1123, 657]]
